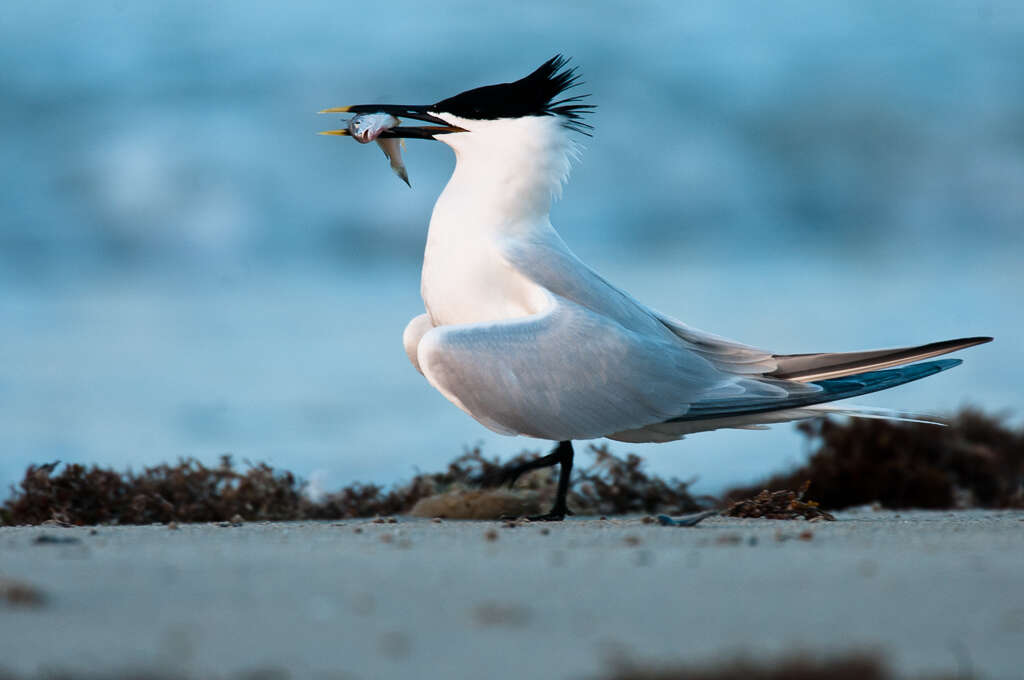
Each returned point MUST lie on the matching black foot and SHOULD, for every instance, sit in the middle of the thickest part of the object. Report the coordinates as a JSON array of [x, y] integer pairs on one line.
[[562, 456], [556, 515], [549, 517], [512, 474]]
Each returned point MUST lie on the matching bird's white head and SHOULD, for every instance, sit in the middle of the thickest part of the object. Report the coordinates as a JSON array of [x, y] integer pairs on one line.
[[512, 141]]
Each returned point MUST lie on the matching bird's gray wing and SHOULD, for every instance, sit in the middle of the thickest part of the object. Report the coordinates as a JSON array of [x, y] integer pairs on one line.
[[568, 372], [728, 355], [551, 264]]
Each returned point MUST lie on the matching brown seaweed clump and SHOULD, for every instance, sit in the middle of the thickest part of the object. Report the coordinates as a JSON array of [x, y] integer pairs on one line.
[[193, 492], [618, 486], [478, 504], [779, 505], [188, 491], [609, 486], [17, 593], [851, 666], [977, 461]]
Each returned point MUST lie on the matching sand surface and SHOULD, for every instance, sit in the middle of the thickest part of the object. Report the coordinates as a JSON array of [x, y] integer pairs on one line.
[[933, 591]]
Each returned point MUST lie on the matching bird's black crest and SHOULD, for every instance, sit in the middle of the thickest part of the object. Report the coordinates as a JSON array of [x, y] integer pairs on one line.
[[535, 95]]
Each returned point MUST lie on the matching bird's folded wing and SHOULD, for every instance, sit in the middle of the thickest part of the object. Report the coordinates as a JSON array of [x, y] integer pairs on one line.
[[551, 265], [566, 373], [728, 355]]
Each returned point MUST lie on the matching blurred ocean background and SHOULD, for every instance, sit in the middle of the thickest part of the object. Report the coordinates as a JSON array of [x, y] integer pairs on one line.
[[186, 269]]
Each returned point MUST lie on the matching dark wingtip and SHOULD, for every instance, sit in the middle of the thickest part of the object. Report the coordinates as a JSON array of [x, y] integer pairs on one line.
[[960, 343]]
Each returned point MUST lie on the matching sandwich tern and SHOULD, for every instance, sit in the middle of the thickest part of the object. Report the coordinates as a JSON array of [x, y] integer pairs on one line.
[[527, 339]]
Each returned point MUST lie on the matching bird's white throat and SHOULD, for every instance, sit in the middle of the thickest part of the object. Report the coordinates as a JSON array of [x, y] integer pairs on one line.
[[507, 173]]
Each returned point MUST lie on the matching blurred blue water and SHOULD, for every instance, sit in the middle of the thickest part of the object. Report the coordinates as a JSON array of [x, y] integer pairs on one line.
[[186, 269]]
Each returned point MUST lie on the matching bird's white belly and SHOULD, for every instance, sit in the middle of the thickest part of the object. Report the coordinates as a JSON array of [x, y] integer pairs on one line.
[[472, 283]]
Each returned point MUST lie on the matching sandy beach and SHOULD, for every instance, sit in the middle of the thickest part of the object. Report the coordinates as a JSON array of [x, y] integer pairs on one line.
[[931, 591]]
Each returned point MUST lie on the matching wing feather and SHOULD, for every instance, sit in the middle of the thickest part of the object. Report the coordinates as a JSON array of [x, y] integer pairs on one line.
[[554, 267], [565, 373], [808, 367]]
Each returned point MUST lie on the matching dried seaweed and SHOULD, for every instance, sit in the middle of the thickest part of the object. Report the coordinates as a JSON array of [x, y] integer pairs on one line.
[[783, 504], [193, 492], [977, 461], [188, 491], [17, 593], [852, 666], [617, 486]]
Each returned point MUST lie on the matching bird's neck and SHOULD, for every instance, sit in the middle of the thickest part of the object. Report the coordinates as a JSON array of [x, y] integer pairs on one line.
[[506, 175], [503, 184]]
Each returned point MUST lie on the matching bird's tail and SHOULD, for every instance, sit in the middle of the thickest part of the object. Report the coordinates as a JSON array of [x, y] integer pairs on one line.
[[837, 375], [822, 366], [832, 389]]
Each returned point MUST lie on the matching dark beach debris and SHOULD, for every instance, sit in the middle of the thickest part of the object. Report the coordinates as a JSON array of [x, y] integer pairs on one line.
[[462, 503], [851, 666], [802, 666], [619, 486], [188, 491], [20, 594], [192, 492], [50, 539], [688, 521], [507, 614], [49, 673], [976, 461], [729, 539], [610, 485], [235, 521], [784, 504]]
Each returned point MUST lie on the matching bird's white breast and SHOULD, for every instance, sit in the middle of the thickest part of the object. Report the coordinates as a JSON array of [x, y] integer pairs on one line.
[[466, 280]]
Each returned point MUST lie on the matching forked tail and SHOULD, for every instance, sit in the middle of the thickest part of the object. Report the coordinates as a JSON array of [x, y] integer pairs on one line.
[[832, 389]]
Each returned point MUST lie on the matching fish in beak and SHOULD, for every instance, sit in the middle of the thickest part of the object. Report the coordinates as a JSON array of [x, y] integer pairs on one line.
[[382, 124], [440, 127]]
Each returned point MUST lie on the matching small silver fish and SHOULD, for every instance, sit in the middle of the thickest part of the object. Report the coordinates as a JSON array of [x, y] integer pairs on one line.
[[392, 148], [367, 127]]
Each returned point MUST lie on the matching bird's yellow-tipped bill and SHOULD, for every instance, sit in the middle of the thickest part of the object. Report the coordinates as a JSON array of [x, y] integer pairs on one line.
[[440, 126]]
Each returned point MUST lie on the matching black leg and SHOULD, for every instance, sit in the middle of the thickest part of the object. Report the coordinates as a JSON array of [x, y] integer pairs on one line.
[[562, 455]]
